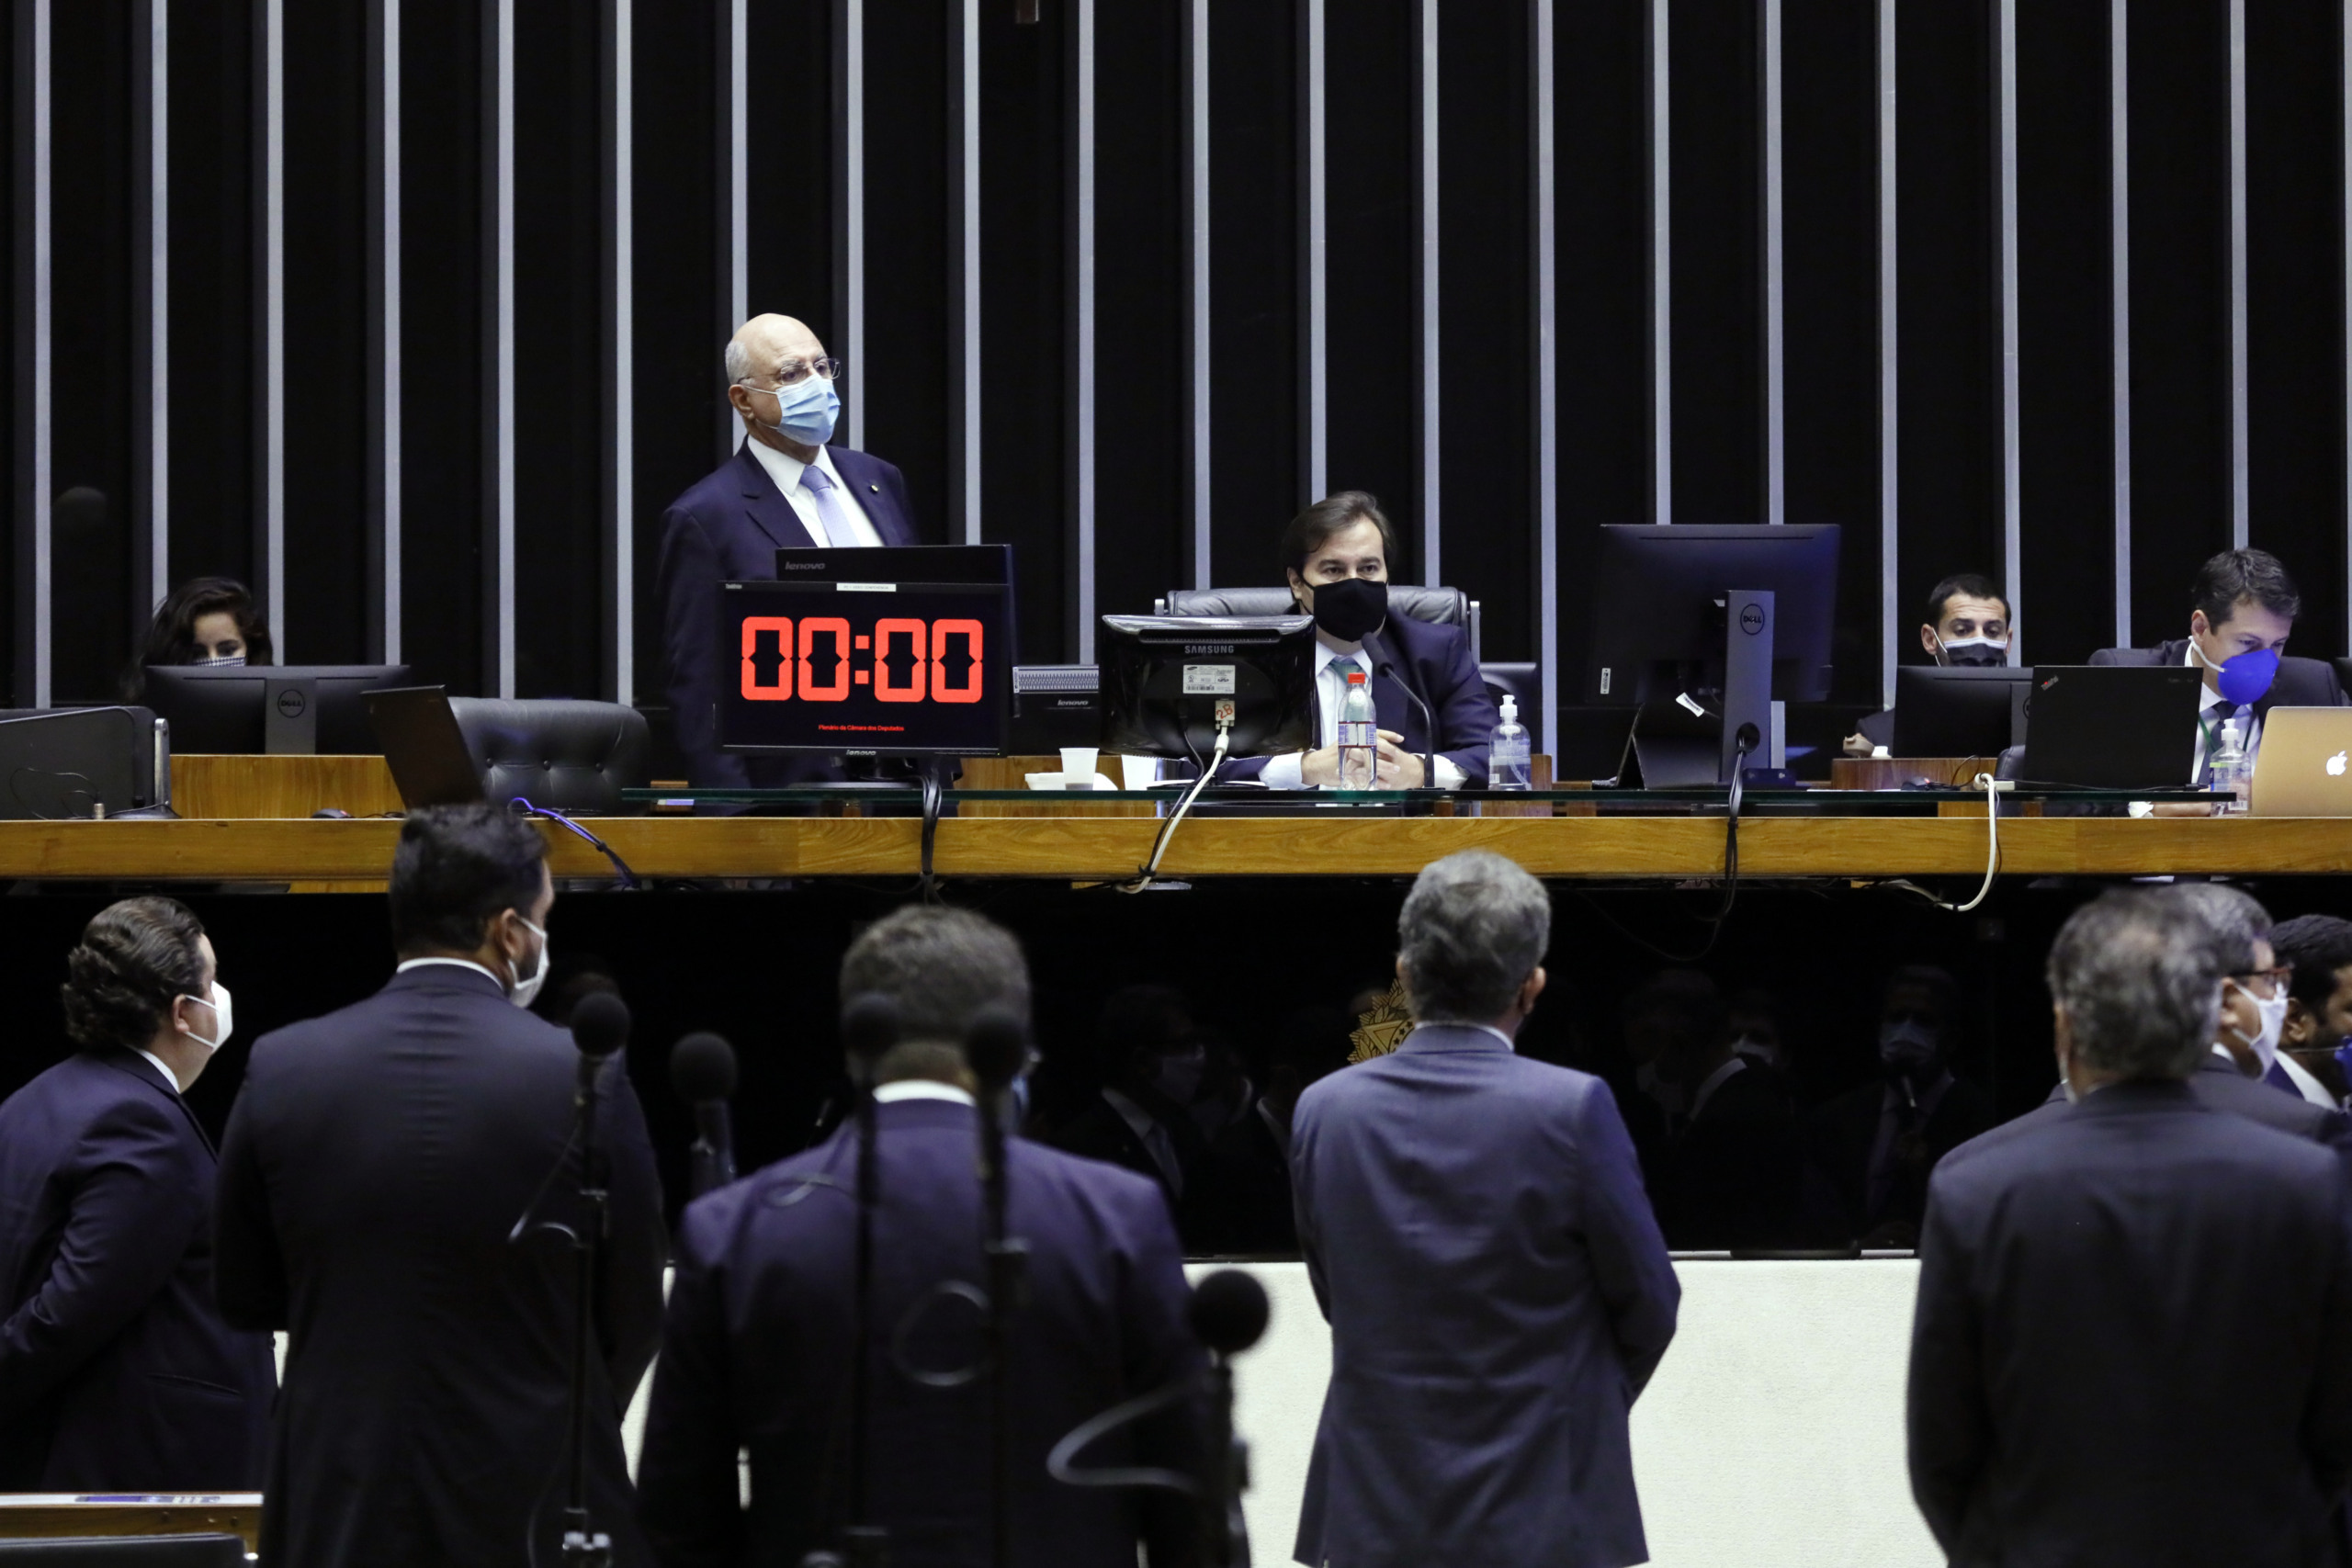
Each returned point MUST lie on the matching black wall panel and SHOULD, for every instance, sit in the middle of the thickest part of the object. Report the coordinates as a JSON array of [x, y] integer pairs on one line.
[[1715, 138]]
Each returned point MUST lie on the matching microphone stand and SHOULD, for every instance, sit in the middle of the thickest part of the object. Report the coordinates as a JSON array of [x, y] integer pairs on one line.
[[584, 1547], [1385, 665]]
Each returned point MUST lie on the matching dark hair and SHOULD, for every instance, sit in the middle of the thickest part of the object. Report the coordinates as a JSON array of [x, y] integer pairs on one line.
[[2234, 576], [2317, 945], [134, 958], [171, 636], [457, 867], [941, 967], [2234, 917], [1334, 514], [1964, 585]]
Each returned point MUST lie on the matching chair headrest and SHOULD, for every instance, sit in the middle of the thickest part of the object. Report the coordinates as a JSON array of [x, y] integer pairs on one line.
[[1439, 606], [572, 756]]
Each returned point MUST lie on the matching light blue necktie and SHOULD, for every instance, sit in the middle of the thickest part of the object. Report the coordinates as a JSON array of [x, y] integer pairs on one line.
[[1344, 666], [818, 483]]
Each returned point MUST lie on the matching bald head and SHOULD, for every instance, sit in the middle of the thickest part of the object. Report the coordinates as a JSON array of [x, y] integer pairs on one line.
[[765, 347]]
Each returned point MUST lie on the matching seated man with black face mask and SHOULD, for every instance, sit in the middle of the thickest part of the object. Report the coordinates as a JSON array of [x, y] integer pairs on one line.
[[1336, 555], [1967, 627]]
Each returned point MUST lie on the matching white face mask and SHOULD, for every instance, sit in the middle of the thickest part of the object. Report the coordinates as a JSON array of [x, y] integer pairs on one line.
[[526, 989], [2273, 1013], [223, 1022]]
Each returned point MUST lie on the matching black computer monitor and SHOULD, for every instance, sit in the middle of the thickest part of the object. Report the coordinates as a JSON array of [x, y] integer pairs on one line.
[[1959, 712], [276, 708], [1165, 677]]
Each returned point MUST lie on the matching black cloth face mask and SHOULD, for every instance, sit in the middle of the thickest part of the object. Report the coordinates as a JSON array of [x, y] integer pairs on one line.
[[1352, 608]]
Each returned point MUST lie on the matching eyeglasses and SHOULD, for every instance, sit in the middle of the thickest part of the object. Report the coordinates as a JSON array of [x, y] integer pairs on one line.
[[2277, 978], [830, 366]]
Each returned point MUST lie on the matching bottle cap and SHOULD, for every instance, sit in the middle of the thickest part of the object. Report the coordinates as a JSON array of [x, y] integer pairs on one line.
[[1355, 678], [1511, 708]]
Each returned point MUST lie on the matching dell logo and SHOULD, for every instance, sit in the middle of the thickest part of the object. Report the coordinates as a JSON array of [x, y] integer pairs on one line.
[[1751, 620], [290, 704], [2336, 765]]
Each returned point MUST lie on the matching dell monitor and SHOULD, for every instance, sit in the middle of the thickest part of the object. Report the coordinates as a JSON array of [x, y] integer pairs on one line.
[[1728, 616], [279, 709], [1959, 712], [1167, 679]]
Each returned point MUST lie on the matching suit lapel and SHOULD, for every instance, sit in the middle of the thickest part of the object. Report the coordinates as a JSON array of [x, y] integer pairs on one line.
[[863, 477], [765, 505], [137, 1068]]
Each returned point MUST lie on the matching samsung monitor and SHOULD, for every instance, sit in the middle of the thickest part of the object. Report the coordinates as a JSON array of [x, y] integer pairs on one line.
[[1167, 680], [1959, 712], [280, 709]]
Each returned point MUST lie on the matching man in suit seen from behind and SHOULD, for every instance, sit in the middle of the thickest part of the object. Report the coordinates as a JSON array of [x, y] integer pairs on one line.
[[762, 1330], [1473, 1225], [116, 1372], [2132, 1341], [379, 1167]]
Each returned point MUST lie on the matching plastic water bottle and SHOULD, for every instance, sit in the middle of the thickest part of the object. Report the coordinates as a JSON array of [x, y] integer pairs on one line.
[[1507, 750], [2231, 772], [1359, 736]]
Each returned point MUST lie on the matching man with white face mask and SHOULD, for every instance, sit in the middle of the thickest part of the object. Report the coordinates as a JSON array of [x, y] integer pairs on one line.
[[782, 487], [376, 1167], [117, 1370]]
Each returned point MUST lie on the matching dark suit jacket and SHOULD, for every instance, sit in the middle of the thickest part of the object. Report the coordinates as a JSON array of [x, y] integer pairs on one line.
[[1474, 1227], [2133, 1340], [117, 1373], [1841, 1132], [376, 1161], [1436, 660], [2301, 683], [1099, 1133], [1246, 1196], [727, 528], [758, 1349], [1733, 1174]]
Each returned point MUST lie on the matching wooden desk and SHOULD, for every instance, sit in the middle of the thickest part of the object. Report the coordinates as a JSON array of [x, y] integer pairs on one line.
[[1094, 849], [45, 1517]]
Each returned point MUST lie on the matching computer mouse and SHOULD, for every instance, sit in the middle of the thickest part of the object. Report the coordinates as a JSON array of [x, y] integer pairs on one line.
[[335, 811]]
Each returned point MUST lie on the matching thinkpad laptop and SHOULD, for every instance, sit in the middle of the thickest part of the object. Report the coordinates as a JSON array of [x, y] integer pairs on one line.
[[2112, 726], [2304, 767]]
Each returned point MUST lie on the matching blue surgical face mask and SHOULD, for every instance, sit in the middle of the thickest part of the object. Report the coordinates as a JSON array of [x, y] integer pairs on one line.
[[807, 409], [2244, 677]]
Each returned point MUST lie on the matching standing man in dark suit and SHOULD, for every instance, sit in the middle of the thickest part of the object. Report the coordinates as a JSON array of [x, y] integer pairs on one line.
[[1336, 555], [1151, 1059], [2134, 1337], [784, 487], [761, 1329], [2243, 606], [378, 1165], [117, 1373], [1475, 1228]]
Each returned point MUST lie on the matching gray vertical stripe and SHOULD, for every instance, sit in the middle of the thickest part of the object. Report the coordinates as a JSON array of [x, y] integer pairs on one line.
[[1196, 151], [502, 521], [1432, 490], [968, 281], [736, 193], [271, 589], [152, 571], [2118, 182], [1661, 277], [1888, 426], [2012, 501], [1314, 406], [2347, 168], [2239, 453], [621, 379], [35, 655], [388, 329], [1775, 336], [1547, 365], [1082, 15], [849, 283]]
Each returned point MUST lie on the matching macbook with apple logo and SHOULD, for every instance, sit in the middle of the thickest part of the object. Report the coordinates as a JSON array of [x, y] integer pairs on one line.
[[2304, 767]]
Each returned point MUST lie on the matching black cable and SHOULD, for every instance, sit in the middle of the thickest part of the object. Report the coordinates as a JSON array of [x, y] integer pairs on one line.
[[620, 866], [1744, 744], [934, 802]]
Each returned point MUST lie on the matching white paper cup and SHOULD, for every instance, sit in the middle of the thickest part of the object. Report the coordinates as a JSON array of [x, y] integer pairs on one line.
[[1139, 773], [1078, 766]]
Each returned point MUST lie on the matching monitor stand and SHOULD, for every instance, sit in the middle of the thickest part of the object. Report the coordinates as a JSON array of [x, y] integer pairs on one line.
[[1747, 679], [291, 716]]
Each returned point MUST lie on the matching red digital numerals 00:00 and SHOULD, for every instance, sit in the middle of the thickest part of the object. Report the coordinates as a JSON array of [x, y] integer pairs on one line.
[[928, 682]]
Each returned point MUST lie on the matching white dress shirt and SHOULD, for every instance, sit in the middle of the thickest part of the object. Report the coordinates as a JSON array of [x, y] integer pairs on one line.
[[1330, 690], [785, 470], [2310, 1088], [1715, 1080], [921, 1089], [409, 964], [2208, 699], [158, 1063]]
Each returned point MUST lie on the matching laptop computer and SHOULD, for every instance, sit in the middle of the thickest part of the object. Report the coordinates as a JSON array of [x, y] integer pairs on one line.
[[2111, 726], [423, 747], [2304, 767]]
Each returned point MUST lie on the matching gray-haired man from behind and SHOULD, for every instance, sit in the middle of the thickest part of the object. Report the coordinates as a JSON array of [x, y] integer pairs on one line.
[[2133, 1338], [1475, 1230]]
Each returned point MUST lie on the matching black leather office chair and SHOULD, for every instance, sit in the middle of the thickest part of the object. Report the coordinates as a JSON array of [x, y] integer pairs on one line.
[[126, 1551], [570, 756], [1440, 606]]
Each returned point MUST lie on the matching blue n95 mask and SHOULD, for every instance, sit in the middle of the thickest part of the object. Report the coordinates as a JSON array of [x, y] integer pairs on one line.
[[2243, 678], [807, 409]]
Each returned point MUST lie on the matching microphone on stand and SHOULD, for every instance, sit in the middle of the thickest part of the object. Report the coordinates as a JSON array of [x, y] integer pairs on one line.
[[1228, 1313], [600, 1027], [1383, 665], [702, 1070], [996, 1044]]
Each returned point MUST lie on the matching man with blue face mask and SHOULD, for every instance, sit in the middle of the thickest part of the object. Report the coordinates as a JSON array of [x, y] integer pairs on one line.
[[2244, 605], [782, 487]]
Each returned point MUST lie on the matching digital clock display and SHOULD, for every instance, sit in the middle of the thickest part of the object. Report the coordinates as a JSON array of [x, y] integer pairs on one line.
[[863, 667]]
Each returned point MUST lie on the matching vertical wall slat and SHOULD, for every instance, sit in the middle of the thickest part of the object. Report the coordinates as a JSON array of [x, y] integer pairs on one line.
[[735, 193], [1197, 278], [1082, 15], [151, 568], [1888, 426], [2012, 442], [2345, 164], [384, 279], [1543, 723], [965, 357], [620, 354], [2239, 451], [1775, 339], [1313, 405], [498, 554], [1661, 275], [2118, 179], [1432, 568], [848, 338], [36, 480], [270, 588]]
